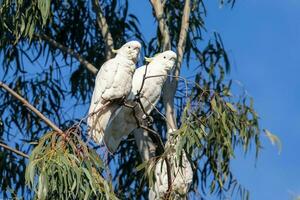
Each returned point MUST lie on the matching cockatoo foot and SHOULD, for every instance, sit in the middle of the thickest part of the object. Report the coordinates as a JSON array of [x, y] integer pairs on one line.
[[149, 120], [137, 96], [122, 100]]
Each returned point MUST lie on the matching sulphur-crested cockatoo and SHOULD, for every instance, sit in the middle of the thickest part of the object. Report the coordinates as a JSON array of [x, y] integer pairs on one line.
[[125, 121], [113, 82], [181, 176]]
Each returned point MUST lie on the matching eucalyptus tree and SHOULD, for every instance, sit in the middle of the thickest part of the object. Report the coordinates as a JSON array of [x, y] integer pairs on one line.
[[50, 52]]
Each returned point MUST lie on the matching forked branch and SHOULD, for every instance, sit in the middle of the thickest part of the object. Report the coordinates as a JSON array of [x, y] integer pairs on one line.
[[171, 87]]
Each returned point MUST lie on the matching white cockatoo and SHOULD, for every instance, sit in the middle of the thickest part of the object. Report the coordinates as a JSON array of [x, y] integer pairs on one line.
[[181, 176], [113, 82], [126, 121]]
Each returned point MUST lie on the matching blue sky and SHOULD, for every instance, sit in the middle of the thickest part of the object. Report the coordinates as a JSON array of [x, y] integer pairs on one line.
[[262, 38], [263, 41]]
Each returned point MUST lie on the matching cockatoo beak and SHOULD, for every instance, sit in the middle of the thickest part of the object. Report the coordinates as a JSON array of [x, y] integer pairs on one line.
[[148, 59]]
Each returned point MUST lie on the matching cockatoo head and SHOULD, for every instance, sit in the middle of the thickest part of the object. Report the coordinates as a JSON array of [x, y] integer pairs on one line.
[[130, 50], [167, 59]]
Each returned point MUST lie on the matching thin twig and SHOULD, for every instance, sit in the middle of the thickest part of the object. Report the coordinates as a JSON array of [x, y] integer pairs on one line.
[[71, 52], [31, 107], [168, 193], [156, 136], [138, 95], [92, 113], [181, 77], [143, 81], [20, 153], [154, 106]]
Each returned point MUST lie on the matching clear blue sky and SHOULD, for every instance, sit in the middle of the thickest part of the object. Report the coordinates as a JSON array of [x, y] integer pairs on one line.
[[263, 41]]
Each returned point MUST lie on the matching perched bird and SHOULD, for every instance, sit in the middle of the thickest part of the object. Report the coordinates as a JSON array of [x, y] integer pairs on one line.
[[147, 82], [113, 83], [181, 176]]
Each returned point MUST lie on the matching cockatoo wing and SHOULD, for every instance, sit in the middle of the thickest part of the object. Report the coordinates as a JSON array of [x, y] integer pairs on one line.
[[125, 122], [108, 87], [102, 83], [151, 91], [119, 126]]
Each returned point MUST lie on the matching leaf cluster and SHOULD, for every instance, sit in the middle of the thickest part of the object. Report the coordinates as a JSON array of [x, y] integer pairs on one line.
[[63, 167]]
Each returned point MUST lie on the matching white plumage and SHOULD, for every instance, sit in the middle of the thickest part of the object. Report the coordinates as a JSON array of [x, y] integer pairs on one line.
[[113, 82], [125, 122], [181, 175]]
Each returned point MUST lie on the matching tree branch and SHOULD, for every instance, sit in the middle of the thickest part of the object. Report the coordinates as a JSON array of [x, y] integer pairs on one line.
[[164, 29], [20, 153], [185, 21], [171, 86], [71, 52], [103, 26], [31, 107], [146, 146]]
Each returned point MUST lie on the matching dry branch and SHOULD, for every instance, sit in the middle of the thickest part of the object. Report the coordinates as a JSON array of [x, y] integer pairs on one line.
[[31, 107], [182, 37], [71, 52], [103, 26], [171, 86], [20, 153]]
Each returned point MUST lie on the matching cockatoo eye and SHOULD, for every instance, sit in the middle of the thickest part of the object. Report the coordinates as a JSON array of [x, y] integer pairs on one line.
[[129, 47], [164, 57]]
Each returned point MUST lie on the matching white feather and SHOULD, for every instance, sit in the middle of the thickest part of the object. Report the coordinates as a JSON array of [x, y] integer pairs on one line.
[[125, 122], [182, 177], [113, 81]]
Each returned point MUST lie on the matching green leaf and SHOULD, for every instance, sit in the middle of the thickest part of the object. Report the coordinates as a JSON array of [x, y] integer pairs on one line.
[[142, 166], [44, 6], [213, 104], [89, 176], [23, 25], [43, 187], [231, 106], [87, 193]]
